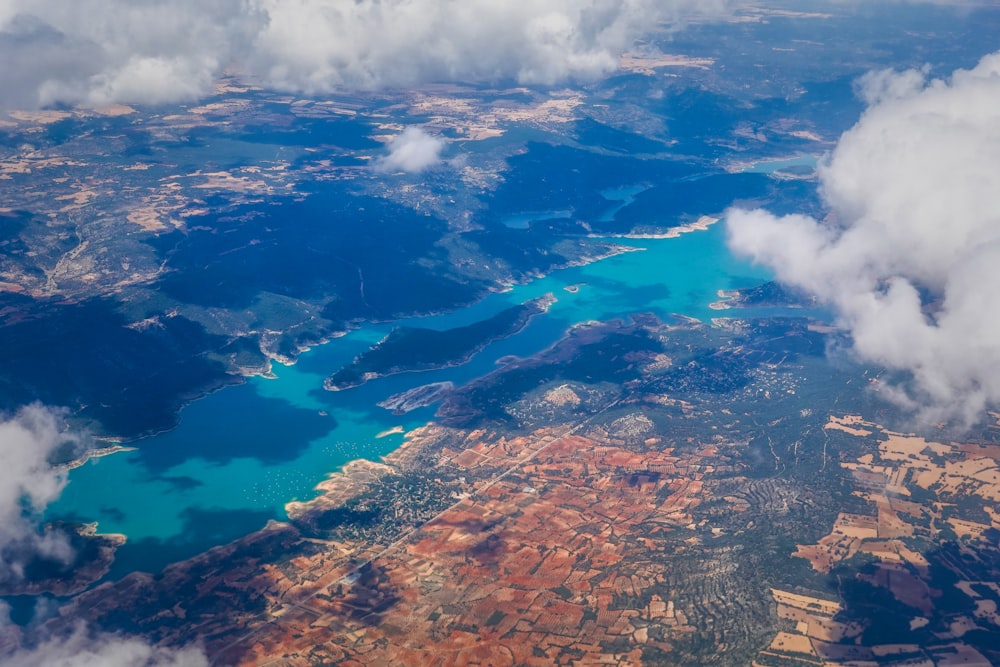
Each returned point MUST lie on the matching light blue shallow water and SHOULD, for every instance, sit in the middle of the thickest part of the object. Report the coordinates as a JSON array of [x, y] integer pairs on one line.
[[772, 166], [238, 455]]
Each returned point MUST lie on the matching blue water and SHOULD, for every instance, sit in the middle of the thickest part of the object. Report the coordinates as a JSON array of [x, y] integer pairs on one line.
[[772, 166], [524, 220], [238, 455], [624, 196]]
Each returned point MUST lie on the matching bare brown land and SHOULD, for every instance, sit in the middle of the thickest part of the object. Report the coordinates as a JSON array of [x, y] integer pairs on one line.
[[506, 575], [528, 566], [642, 521]]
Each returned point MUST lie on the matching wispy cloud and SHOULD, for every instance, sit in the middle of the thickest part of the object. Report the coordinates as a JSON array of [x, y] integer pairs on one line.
[[87, 649], [910, 256]]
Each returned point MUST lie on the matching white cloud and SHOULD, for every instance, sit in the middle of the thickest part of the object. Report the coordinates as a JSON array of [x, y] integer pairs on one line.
[[887, 84], [119, 50], [910, 255], [170, 50], [28, 483], [83, 649], [325, 44], [412, 151]]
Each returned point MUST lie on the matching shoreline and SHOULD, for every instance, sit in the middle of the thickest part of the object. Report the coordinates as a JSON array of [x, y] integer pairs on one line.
[[265, 371], [542, 305], [700, 225], [726, 299], [390, 431], [98, 453], [608, 250], [241, 375]]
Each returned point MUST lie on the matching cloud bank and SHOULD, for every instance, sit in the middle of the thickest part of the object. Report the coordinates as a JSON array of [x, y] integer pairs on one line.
[[412, 151], [154, 51], [910, 255], [119, 50]]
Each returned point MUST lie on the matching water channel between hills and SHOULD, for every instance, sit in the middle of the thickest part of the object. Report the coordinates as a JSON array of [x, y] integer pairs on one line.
[[238, 455]]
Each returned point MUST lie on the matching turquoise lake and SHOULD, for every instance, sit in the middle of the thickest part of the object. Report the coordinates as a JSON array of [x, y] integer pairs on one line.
[[238, 455]]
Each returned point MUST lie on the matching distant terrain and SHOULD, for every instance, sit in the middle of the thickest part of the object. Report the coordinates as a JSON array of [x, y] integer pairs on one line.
[[518, 406]]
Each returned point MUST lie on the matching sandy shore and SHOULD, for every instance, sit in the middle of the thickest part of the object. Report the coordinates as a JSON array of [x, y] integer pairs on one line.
[[96, 454], [699, 225], [725, 299]]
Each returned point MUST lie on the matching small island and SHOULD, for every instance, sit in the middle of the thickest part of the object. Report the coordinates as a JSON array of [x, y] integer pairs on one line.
[[408, 349], [771, 294]]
